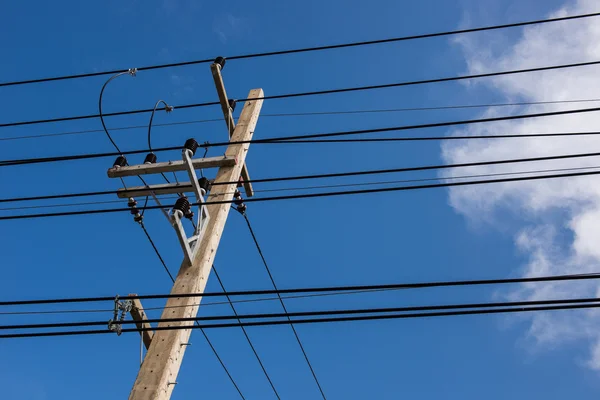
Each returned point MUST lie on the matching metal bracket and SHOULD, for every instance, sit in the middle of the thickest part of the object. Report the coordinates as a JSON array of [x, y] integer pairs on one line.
[[188, 244], [121, 309]]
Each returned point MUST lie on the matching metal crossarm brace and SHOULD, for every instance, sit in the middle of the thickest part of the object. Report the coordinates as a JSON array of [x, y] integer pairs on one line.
[[189, 245]]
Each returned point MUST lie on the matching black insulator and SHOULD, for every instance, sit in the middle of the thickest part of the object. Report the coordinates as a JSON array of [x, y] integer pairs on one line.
[[134, 211], [204, 183], [150, 158], [241, 208], [183, 204], [132, 202], [220, 61], [121, 161], [232, 104], [192, 145], [138, 218], [237, 198]]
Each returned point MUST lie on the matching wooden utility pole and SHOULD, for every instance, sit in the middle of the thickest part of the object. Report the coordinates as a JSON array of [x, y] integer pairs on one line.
[[158, 374]]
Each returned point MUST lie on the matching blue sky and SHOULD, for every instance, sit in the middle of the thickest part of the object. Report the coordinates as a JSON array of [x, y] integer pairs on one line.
[[374, 238]]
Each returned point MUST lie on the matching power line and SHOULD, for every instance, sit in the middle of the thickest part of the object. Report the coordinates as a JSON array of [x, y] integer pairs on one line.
[[208, 341], [298, 138], [315, 113], [310, 49], [337, 175], [264, 261], [317, 92], [317, 195], [216, 303], [264, 370], [395, 286], [332, 186], [380, 314]]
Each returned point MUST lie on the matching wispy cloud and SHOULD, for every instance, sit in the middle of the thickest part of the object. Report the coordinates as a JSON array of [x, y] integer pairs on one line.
[[228, 25], [556, 223]]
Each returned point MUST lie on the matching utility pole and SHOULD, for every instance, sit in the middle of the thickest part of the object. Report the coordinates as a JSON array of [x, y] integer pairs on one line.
[[157, 376]]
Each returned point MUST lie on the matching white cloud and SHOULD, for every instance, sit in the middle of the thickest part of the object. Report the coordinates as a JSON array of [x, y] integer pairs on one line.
[[555, 222]]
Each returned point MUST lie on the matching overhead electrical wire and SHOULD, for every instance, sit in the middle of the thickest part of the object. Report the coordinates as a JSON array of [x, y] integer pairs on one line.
[[185, 187], [317, 195], [260, 363], [291, 138], [328, 289], [208, 341], [315, 113], [379, 315], [318, 92], [320, 313], [331, 175], [312, 49], [264, 261]]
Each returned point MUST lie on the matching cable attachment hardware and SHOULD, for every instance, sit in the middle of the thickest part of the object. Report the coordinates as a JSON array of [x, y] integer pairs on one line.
[[132, 203], [150, 158], [121, 309], [238, 200], [183, 204], [132, 71], [220, 61], [191, 145], [205, 184], [232, 103], [169, 108], [121, 161]]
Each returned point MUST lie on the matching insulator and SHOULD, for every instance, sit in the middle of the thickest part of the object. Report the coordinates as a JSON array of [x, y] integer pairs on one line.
[[220, 61], [204, 183], [232, 103], [237, 198], [241, 208], [132, 202], [150, 158], [121, 161], [138, 218], [134, 210], [182, 204], [192, 145]]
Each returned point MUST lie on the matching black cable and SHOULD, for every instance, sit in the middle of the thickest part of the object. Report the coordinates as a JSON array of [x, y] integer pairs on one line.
[[264, 261], [589, 302], [215, 303], [80, 156], [246, 334], [168, 109], [419, 285], [332, 186], [317, 195], [320, 92], [310, 49], [333, 175], [131, 72], [162, 261], [454, 107], [282, 139], [214, 350], [312, 321]]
